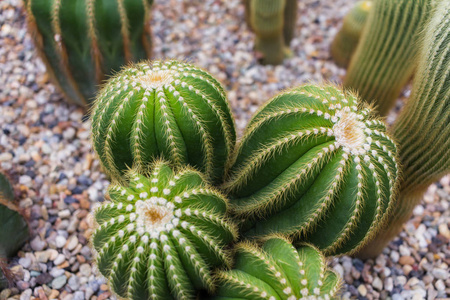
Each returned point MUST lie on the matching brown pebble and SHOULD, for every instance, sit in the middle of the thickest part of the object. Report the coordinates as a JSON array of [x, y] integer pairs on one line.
[[104, 296], [406, 260]]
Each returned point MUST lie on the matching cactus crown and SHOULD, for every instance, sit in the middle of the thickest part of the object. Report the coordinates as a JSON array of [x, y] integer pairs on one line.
[[165, 109], [161, 235], [277, 270], [316, 165]]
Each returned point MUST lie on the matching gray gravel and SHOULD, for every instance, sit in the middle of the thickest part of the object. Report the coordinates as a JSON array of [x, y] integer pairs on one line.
[[44, 147]]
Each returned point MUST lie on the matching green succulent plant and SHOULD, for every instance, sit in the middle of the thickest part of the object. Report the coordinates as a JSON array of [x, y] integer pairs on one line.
[[165, 109], [278, 271], [14, 231], [82, 41], [316, 165], [385, 58], [160, 236], [346, 40], [423, 127], [273, 22]]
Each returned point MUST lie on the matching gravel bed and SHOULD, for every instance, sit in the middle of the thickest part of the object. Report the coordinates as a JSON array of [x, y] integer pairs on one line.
[[45, 149]]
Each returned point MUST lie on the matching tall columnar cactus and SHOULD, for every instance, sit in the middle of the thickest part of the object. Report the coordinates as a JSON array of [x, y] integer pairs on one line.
[[346, 40], [423, 127], [81, 41], [168, 109], [14, 230], [278, 271], [315, 165], [385, 58], [160, 236], [273, 22]]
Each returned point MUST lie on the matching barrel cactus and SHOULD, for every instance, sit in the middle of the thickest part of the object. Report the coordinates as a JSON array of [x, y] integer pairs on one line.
[[316, 165], [82, 41], [346, 40], [14, 231], [273, 22], [385, 58], [163, 109], [160, 236], [278, 270], [423, 127]]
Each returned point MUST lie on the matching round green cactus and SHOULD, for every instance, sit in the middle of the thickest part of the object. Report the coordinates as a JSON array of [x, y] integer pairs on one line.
[[315, 165], [166, 109], [83, 41], [160, 236], [14, 231], [278, 271], [346, 40]]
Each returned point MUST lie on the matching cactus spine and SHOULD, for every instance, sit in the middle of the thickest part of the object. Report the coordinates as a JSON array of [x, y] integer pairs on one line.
[[386, 56], [346, 40], [423, 127], [81, 41], [14, 230], [277, 270], [314, 166], [160, 236], [273, 22], [163, 109]]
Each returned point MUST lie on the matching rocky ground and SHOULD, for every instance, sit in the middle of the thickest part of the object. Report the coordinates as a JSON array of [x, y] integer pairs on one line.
[[45, 149]]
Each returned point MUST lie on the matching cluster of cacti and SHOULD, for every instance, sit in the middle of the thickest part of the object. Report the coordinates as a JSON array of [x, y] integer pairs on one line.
[[273, 22], [423, 126], [163, 109], [14, 230], [386, 55], [346, 40], [316, 166], [160, 235], [82, 41], [278, 270]]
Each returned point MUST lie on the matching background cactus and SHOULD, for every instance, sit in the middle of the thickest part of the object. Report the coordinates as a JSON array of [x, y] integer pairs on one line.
[[314, 166], [81, 41], [160, 236], [273, 22], [385, 58], [278, 271], [346, 40], [423, 127], [14, 230], [167, 109]]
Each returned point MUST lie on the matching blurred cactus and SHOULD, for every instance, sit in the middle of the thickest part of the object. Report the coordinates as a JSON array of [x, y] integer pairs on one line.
[[386, 55], [273, 22], [14, 230], [315, 166], [160, 236], [278, 271], [346, 40], [163, 109], [423, 127], [81, 41]]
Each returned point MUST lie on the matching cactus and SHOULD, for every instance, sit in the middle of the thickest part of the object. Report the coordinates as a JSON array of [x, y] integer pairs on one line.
[[314, 166], [278, 271], [346, 40], [14, 230], [160, 236], [385, 58], [82, 41], [163, 109], [273, 23], [423, 127]]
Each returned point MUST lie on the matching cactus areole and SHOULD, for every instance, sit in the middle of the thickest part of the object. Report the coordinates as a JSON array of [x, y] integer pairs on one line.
[[161, 235], [315, 165], [166, 109]]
